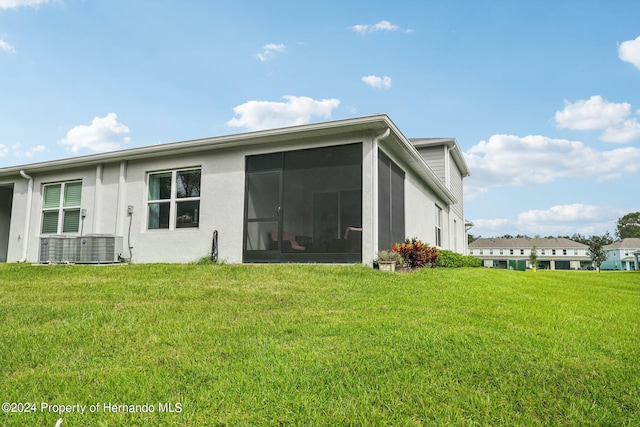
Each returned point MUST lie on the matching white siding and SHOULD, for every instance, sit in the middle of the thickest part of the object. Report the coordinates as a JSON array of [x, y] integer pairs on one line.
[[457, 189], [435, 158]]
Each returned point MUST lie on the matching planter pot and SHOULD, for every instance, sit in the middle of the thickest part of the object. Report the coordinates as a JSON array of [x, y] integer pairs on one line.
[[386, 266]]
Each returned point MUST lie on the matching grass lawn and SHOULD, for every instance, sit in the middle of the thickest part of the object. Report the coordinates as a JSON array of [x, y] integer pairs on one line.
[[281, 345]]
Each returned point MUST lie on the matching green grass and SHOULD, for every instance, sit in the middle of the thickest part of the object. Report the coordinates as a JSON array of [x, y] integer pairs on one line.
[[294, 345]]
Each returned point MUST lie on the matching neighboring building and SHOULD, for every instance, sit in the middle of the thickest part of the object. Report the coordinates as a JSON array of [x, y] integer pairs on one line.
[[622, 255], [552, 253], [337, 191]]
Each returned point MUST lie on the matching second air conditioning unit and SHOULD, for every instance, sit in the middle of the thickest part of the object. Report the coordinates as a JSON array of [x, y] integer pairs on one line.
[[98, 249]]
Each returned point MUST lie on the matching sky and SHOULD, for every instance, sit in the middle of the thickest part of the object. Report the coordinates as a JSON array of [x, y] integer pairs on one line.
[[543, 97]]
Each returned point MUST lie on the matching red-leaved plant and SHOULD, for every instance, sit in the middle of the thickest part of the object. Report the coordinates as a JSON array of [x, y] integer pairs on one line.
[[417, 254]]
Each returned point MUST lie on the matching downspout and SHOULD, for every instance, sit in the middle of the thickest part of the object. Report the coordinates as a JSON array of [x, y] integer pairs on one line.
[[374, 178], [27, 216]]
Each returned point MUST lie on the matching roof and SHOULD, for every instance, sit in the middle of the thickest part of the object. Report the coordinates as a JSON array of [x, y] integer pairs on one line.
[[628, 243], [527, 243], [377, 125]]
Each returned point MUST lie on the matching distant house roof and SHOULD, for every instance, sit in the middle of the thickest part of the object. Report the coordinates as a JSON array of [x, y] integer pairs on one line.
[[628, 243], [527, 243]]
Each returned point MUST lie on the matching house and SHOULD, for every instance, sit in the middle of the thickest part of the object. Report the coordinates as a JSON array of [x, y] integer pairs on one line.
[[622, 255], [551, 253], [336, 192]]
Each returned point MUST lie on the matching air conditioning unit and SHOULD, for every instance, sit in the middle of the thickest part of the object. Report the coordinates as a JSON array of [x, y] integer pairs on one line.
[[98, 249], [57, 249]]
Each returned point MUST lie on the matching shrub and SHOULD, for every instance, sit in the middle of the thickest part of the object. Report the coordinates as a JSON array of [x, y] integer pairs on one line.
[[390, 256], [417, 254], [453, 260]]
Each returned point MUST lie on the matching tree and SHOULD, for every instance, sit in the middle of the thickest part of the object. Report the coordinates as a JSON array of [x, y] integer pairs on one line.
[[533, 256], [596, 244], [577, 237], [628, 226]]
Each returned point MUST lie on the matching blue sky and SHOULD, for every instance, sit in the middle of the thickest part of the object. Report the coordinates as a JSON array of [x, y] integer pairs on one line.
[[543, 97]]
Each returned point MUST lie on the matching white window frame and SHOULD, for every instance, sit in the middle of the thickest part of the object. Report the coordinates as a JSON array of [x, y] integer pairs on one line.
[[173, 200], [61, 208]]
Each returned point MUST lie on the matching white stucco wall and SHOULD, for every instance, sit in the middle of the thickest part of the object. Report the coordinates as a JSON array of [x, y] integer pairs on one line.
[[110, 187], [420, 212]]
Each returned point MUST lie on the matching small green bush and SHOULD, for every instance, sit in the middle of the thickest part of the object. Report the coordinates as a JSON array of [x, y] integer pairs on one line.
[[390, 256], [452, 259]]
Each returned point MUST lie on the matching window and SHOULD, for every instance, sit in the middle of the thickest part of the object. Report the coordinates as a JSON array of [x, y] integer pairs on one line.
[[564, 252], [470, 251], [510, 251], [543, 252], [501, 251], [481, 251], [174, 199], [521, 251], [575, 252], [438, 226], [490, 251], [553, 251], [61, 207]]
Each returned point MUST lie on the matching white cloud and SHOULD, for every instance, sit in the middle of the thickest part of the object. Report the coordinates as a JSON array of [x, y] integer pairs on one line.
[[6, 47], [14, 4], [104, 134], [380, 26], [558, 220], [573, 213], [594, 113], [270, 50], [598, 113], [29, 152], [508, 160], [377, 82], [297, 110], [629, 51], [492, 225], [624, 132]]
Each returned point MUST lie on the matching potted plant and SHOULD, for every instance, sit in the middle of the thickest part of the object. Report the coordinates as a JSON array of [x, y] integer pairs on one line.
[[387, 260]]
